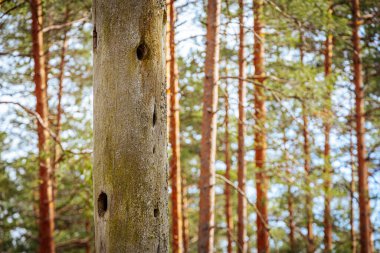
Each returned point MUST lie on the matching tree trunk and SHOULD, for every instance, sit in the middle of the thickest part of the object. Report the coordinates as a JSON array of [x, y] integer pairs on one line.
[[185, 220], [292, 242], [260, 135], [307, 159], [175, 162], [309, 198], [227, 187], [242, 171], [46, 204], [130, 158], [352, 191], [327, 222], [208, 143], [56, 147], [364, 206], [167, 65]]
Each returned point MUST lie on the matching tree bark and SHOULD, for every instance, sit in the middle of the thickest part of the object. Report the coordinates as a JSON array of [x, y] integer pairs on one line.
[[307, 159], [56, 147], [130, 158], [364, 205], [290, 200], [175, 162], [227, 188], [327, 221], [208, 143], [352, 190], [242, 171], [309, 198], [46, 204], [185, 220], [260, 135]]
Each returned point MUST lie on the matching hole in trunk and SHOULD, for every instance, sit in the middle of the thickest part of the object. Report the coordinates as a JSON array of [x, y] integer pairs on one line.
[[156, 212], [142, 51], [154, 115], [102, 204]]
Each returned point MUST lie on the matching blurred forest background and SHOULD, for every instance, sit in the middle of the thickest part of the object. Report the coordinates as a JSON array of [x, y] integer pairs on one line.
[[300, 100]]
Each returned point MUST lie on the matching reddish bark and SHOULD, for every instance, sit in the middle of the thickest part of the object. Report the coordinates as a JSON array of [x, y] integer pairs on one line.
[[352, 192], [291, 224], [227, 188], [185, 220], [364, 205], [208, 142], [46, 205], [57, 151], [175, 162], [167, 65], [309, 198], [242, 171], [327, 222], [307, 159], [260, 135]]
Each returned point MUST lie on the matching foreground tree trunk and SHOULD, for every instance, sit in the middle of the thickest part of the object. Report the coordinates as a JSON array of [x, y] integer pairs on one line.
[[46, 204], [260, 135], [364, 205], [130, 168], [327, 221], [208, 143], [242, 202], [175, 162], [227, 187]]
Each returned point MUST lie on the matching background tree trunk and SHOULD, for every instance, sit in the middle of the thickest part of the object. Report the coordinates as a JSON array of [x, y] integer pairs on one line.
[[309, 198], [307, 160], [364, 206], [327, 221], [352, 189], [130, 158], [175, 162], [260, 135], [227, 187], [290, 199], [208, 143], [185, 220], [242, 171], [46, 204]]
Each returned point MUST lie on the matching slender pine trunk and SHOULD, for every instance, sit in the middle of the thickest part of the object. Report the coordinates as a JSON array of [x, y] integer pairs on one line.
[[364, 205], [227, 187], [185, 220], [208, 143], [260, 135], [242, 171], [352, 190], [175, 162], [46, 203], [307, 160], [290, 198], [327, 220]]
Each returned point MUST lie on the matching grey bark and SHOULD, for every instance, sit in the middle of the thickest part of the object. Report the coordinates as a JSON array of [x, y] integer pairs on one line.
[[130, 160]]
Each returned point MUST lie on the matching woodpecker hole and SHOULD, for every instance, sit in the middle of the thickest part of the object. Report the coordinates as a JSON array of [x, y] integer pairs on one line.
[[154, 115], [141, 51], [102, 204]]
